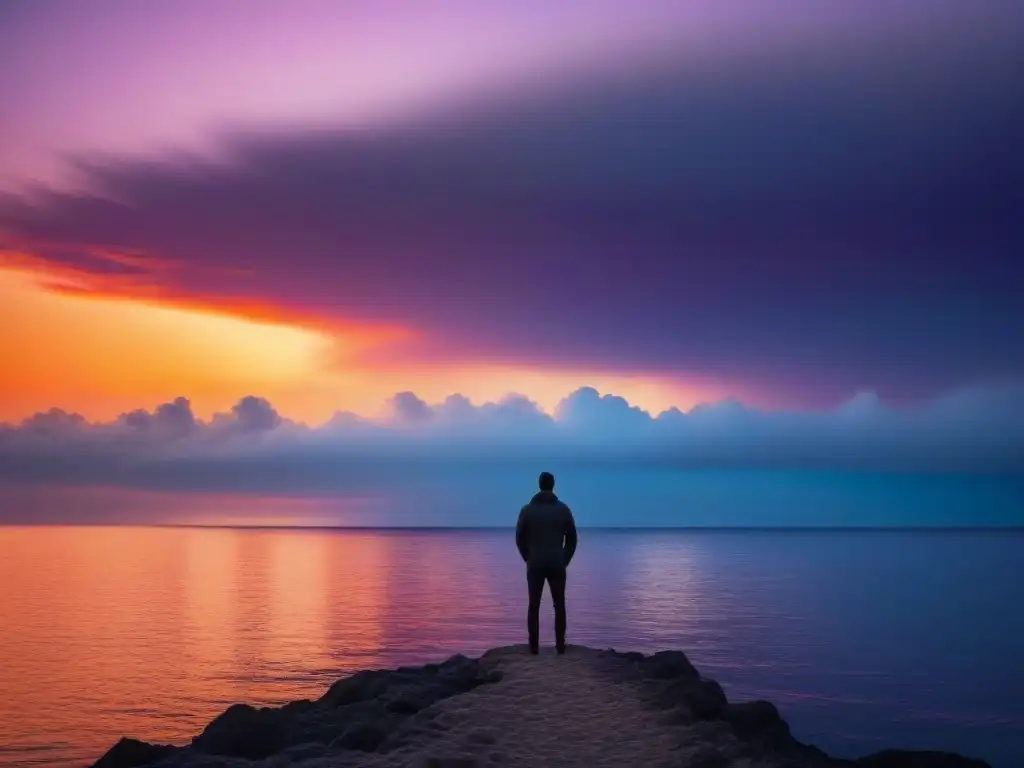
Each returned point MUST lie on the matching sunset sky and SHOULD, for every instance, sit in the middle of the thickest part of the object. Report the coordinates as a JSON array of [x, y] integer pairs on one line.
[[326, 203], [365, 254]]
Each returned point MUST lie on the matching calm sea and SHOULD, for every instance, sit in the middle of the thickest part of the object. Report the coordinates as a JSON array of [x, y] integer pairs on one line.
[[865, 639]]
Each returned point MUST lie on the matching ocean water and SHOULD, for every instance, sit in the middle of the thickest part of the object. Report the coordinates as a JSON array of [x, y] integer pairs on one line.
[[865, 639]]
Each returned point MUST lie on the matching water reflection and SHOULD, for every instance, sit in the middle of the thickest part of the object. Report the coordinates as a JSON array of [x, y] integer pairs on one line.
[[355, 601], [298, 609], [660, 583], [151, 632], [211, 587]]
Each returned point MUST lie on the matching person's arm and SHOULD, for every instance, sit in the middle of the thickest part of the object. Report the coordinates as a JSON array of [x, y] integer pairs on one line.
[[522, 542], [570, 537]]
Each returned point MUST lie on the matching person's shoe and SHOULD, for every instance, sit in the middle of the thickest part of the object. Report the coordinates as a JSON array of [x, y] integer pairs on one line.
[[560, 649], [534, 650]]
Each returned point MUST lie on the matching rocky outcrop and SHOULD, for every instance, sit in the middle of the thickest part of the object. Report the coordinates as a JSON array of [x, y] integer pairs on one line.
[[668, 682], [129, 753], [363, 713], [398, 717]]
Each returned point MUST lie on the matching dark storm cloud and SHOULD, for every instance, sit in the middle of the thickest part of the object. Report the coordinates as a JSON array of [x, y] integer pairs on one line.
[[812, 225]]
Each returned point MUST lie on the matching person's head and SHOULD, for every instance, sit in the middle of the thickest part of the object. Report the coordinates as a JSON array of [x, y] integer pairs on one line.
[[546, 481]]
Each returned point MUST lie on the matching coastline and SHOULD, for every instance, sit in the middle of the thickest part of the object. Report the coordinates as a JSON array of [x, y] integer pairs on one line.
[[507, 708]]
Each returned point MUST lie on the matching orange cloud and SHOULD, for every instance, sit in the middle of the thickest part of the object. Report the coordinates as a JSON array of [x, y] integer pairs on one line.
[[102, 344], [148, 283], [103, 357]]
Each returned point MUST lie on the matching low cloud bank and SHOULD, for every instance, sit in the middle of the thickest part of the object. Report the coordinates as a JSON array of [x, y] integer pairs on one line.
[[253, 447]]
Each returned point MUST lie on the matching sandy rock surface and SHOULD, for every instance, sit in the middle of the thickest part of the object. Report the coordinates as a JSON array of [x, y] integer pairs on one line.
[[588, 708]]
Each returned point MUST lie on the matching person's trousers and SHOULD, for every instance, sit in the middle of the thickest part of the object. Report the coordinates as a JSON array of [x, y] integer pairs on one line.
[[535, 578]]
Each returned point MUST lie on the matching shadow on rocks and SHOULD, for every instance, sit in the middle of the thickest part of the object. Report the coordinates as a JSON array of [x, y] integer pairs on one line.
[[365, 712], [669, 682], [129, 753]]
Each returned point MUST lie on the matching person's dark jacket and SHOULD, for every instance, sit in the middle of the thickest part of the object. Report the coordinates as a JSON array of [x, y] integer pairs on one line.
[[546, 532]]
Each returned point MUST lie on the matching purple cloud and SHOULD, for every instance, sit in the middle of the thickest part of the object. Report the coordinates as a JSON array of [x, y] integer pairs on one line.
[[170, 421], [812, 223], [409, 409], [255, 414]]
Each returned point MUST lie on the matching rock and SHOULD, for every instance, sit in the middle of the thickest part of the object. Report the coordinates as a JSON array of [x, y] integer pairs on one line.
[[418, 692], [324, 724], [131, 753], [460, 761], [297, 707], [361, 686], [752, 716], [898, 758], [244, 731], [668, 665], [307, 751], [759, 721], [630, 656], [406, 705], [364, 736], [384, 711], [458, 675], [707, 757], [704, 699], [482, 736]]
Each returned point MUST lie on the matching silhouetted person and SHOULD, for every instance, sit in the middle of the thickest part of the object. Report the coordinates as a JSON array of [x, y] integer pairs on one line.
[[546, 538]]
